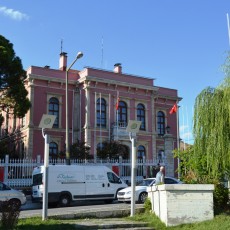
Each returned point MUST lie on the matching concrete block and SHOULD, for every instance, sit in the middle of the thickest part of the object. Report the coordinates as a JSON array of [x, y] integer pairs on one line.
[[182, 203]]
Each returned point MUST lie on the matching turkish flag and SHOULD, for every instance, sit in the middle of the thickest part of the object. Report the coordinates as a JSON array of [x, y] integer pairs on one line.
[[173, 109], [117, 104]]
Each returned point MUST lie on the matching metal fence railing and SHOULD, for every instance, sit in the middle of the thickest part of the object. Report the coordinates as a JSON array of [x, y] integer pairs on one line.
[[18, 172]]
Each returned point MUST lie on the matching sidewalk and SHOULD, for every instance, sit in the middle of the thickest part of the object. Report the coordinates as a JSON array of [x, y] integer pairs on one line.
[[95, 218], [111, 223]]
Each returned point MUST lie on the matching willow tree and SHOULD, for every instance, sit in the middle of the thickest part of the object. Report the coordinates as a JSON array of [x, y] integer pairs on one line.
[[212, 128]]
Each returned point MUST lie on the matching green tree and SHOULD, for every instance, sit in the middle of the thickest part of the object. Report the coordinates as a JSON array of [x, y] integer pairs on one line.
[[112, 149], [208, 160], [212, 127], [3, 149], [13, 94], [79, 150]]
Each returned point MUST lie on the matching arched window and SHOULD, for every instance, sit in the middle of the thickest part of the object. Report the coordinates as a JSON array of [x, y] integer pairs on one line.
[[160, 156], [160, 123], [54, 110], [140, 152], [101, 112], [122, 114], [53, 150], [141, 115], [140, 155]]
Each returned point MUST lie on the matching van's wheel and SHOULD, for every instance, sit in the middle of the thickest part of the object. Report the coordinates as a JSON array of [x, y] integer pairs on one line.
[[64, 200], [142, 197]]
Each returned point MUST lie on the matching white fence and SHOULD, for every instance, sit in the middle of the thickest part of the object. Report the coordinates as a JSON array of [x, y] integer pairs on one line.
[[18, 173]]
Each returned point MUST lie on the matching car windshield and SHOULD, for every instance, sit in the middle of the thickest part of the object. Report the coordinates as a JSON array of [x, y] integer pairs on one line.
[[146, 182]]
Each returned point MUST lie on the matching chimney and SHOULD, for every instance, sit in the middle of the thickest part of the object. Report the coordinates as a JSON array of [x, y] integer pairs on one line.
[[117, 68], [63, 61]]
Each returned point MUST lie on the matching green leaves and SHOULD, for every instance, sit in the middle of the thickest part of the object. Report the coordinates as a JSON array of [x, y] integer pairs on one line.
[[112, 149], [13, 94], [212, 127]]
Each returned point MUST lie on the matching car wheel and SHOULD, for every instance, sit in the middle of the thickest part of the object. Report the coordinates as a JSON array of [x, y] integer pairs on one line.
[[142, 197], [64, 200]]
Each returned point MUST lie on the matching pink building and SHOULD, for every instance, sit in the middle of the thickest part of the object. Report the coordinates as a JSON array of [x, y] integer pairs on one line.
[[93, 115]]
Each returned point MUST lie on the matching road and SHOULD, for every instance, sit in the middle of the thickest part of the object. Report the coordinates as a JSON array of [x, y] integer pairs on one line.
[[35, 209]]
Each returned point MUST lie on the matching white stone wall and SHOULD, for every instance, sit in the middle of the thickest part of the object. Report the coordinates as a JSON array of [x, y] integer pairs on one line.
[[182, 203]]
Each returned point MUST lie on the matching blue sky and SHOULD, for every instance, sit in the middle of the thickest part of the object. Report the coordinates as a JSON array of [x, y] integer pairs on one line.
[[182, 44]]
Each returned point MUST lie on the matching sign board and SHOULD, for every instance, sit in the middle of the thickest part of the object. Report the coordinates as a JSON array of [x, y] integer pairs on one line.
[[47, 121], [133, 126]]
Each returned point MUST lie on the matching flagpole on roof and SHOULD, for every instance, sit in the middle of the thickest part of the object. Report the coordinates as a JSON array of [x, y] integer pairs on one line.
[[174, 109], [183, 125], [100, 125], [178, 141], [228, 29], [117, 107], [109, 118], [95, 127]]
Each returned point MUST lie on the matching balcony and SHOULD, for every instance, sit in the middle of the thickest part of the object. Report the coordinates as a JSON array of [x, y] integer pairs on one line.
[[118, 131]]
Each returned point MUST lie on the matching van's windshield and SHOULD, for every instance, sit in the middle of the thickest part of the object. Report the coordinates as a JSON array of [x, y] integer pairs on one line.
[[113, 178], [37, 179]]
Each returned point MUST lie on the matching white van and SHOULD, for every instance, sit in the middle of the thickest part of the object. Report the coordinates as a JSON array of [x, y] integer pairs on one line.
[[68, 183]]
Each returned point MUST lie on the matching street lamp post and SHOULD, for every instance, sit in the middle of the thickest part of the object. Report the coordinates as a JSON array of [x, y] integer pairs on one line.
[[132, 128], [79, 55]]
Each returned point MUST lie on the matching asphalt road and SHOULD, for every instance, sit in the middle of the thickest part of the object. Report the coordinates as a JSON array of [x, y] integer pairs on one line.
[[36, 209]]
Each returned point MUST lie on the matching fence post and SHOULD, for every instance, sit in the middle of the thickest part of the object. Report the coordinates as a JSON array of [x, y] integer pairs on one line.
[[38, 159], [120, 166], [144, 167], [6, 168]]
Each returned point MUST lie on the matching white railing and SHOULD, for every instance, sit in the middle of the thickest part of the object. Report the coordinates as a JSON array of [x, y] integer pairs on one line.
[[18, 173]]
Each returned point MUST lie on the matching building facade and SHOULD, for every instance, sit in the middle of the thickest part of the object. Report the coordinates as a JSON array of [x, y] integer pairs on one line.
[[100, 105]]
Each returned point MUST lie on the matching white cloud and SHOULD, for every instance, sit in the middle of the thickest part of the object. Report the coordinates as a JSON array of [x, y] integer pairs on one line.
[[183, 128], [14, 14], [186, 134]]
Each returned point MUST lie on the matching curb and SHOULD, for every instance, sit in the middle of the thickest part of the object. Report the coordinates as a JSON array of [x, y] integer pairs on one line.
[[97, 214]]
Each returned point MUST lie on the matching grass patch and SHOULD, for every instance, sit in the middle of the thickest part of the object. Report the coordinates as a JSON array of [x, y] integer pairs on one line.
[[220, 222], [151, 219], [36, 223]]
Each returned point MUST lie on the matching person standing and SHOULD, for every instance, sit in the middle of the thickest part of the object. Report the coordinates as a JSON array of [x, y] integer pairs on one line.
[[160, 177]]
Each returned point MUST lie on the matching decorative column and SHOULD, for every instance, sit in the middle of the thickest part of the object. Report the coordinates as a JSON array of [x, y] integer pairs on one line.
[[76, 115], [153, 115], [168, 151], [29, 121], [87, 114]]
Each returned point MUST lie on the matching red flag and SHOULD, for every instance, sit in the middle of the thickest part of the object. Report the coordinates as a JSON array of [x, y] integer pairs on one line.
[[173, 109], [117, 103]]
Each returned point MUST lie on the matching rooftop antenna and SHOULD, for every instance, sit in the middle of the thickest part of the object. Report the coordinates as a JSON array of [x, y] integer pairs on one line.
[[228, 29], [102, 51], [61, 44]]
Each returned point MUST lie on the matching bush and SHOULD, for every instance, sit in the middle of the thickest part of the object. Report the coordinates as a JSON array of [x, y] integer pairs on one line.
[[220, 198], [148, 205], [9, 213]]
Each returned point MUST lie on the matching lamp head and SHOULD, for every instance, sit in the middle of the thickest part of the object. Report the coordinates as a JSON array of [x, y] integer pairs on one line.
[[79, 55], [167, 128]]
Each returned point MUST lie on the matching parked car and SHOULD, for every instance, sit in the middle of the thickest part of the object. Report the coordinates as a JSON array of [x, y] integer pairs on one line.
[[124, 195], [15, 197]]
